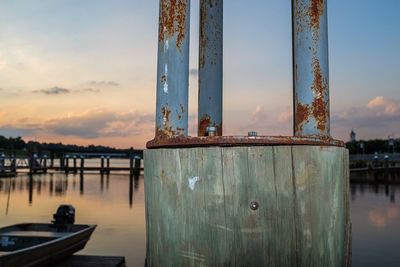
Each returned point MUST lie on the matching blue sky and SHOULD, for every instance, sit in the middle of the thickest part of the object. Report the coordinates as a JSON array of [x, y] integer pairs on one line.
[[103, 55]]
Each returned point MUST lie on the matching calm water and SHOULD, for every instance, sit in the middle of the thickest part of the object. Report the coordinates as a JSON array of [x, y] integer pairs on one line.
[[116, 204], [375, 214]]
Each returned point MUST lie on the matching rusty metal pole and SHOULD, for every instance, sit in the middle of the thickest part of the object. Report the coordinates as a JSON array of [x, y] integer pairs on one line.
[[173, 68], [310, 68], [210, 66]]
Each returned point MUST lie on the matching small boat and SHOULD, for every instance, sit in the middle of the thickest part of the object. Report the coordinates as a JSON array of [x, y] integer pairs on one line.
[[41, 244]]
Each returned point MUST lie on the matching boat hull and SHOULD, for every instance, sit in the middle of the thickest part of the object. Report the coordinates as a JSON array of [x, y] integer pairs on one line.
[[56, 245]]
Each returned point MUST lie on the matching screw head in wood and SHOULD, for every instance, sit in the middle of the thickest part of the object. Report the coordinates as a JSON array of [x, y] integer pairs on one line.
[[254, 205]]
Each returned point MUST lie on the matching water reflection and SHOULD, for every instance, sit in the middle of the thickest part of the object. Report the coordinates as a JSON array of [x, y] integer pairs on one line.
[[58, 186], [375, 216], [114, 202], [133, 184]]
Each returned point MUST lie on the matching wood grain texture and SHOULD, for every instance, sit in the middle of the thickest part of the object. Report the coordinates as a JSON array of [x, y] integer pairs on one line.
[[198, 206]]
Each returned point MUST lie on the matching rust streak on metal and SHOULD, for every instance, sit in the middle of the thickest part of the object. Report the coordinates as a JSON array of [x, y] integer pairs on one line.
[[205, 122], [166, 130], [172, 20], [224, 141], [316, 11], [166, 113], [203, 40], [320, 107], [302, 115]]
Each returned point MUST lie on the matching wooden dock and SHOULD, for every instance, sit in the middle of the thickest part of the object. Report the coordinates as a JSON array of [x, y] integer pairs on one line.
[[92, 261], [10, 165]]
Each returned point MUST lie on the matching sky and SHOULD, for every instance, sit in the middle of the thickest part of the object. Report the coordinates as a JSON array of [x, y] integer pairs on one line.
[[84, 72]]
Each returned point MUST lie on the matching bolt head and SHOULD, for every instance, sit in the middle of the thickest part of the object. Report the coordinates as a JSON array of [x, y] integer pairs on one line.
[[254, 205], [252, 134]]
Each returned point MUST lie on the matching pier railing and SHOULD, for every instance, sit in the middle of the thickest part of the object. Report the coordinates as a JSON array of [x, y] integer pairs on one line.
[[71, 163]]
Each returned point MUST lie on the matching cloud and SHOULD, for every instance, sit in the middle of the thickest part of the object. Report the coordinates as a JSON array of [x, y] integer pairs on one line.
[[286, 116], [378, 112], [384, 105], [378, 118], [90, 90], [53, 91], [258, 119], [60, 91], [12, 130], [103, 83], [98, 123], [258, 114], [89, 125]]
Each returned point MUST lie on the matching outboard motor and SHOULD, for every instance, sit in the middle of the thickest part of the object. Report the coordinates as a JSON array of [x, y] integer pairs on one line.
[[65, 215]]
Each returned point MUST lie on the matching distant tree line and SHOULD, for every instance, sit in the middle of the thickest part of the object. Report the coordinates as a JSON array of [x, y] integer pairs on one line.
[[372, 146], [18, 146]]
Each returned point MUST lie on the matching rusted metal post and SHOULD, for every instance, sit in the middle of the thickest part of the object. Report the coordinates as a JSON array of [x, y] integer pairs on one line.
[[210, 66], [173, 68], [310, 68]]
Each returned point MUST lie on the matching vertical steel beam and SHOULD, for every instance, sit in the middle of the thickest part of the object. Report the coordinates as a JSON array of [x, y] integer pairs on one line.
[[210, 66], [173, 68], [310, 68]]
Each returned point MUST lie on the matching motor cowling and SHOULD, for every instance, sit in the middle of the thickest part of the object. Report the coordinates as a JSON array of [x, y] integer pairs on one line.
[[65, 215]]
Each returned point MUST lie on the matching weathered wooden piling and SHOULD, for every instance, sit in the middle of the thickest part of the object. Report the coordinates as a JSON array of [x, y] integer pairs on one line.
[[44, 165], [2, 163], [102, 165], [270, 205], [62, 162], [108, 165], [137, 166], [82, 167], [14, 164], [75, 165], [253, 200], [66, 167], [32, 164], [131, 166]]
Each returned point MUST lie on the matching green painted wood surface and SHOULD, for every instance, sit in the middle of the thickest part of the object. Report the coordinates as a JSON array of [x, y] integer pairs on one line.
[[198, 206]]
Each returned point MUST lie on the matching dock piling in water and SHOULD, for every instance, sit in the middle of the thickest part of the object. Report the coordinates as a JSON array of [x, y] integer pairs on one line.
[[137, 166], [253, 200], [75, 165]]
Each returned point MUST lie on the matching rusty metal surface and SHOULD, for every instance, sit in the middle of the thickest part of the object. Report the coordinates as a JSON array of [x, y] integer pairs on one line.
[[310, 68], [210, 66], [173, 68], [223, 141]]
